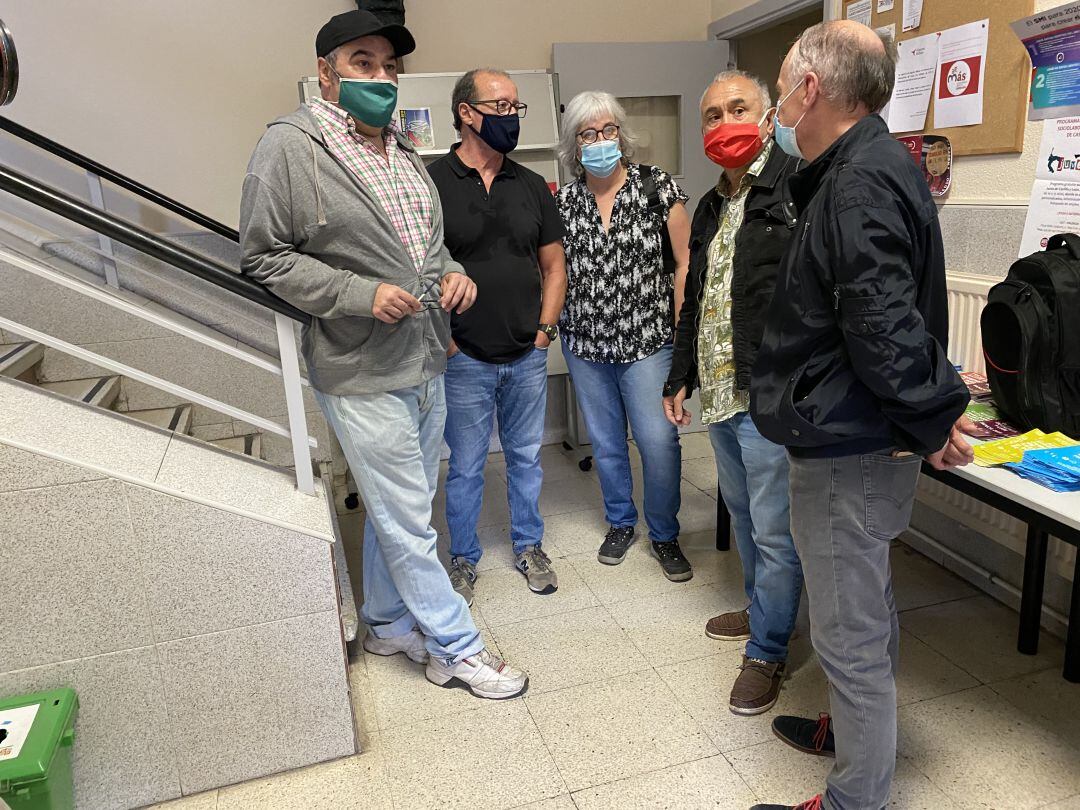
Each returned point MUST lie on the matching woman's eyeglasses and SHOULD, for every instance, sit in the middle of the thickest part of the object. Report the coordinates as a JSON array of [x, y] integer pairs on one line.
[[608, 133]]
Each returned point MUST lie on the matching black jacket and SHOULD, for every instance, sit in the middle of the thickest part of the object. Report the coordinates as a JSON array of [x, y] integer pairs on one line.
[[760, 244], [854, 355]]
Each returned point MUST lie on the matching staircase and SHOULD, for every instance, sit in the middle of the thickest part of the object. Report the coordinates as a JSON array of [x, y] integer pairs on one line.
[[23, 361], [167, 520]]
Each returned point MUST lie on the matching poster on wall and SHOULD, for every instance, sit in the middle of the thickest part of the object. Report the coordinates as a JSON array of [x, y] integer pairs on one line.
[[916, 66], [912, 14], [859, 11], [1052, 40], [1055, 196], [416, 126], [887, 31], [961, 67], [933, 155]]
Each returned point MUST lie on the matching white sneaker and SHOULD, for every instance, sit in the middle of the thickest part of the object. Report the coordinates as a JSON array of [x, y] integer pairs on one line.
[[412, 644], [485, 674]]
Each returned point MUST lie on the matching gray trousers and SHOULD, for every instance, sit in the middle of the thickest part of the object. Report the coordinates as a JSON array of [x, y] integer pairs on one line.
[[845, 511]]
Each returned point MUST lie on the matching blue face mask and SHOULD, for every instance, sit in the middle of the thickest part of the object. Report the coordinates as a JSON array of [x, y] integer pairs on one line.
[[785, 136], [602, 158]]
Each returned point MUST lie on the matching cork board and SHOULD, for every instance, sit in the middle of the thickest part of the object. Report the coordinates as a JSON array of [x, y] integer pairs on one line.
[[1008, 69]]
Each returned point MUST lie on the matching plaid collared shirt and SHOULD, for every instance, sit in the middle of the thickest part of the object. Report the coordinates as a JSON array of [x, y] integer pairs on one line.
[[394, 181]]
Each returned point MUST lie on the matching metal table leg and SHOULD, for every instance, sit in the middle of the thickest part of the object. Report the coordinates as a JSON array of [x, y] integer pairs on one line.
[[723, 524], [1032, 598], [1072, 639]]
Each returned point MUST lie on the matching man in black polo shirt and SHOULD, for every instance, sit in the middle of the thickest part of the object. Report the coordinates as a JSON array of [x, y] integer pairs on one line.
[[502, 225]]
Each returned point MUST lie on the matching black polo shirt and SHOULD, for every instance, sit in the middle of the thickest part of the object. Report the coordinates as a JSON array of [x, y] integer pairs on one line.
[[497, 236]]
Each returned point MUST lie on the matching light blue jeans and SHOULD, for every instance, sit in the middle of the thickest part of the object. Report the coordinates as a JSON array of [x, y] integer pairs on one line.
[[609, 394], [753, 476], [392, 442], [475, 390]]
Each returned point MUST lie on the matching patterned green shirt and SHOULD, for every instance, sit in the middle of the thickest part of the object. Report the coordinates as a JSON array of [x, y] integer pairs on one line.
[[720, 396]]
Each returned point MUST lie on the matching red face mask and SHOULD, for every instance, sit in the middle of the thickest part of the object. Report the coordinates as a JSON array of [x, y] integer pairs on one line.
[[733, 145]]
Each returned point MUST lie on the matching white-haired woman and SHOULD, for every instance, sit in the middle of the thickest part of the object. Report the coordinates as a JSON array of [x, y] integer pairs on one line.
[[617, 325]]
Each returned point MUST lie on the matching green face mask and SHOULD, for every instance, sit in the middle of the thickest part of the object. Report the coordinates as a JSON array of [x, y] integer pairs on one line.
[[370, 101]]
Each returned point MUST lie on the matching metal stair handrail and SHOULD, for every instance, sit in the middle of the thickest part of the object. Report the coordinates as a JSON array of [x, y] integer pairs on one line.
[[130, 234], [122, 180]]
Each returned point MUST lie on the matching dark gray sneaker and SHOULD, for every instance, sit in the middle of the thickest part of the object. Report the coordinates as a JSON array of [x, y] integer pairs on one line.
[[676, 567], [615, 545], [535, 564], [463, 578]]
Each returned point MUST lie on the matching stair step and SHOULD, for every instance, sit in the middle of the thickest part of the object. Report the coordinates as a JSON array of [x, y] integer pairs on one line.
[[249, 444], [176, 418], [99, 391], [20, 360]]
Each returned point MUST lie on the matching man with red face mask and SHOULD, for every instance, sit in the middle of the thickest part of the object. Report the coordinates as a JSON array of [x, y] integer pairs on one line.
[[740, 232]]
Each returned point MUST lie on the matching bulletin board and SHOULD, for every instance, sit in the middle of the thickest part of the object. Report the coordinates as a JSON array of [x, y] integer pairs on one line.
[[1007, 78]]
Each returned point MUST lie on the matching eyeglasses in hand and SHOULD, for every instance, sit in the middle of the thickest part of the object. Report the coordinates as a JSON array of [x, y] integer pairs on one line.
[[430, 296]]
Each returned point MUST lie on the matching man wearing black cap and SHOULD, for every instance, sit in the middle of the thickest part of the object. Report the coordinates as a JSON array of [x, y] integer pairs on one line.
[[340, 219]]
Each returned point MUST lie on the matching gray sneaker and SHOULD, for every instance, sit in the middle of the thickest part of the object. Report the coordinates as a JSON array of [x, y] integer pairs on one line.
[[535, 564], [463, 577]]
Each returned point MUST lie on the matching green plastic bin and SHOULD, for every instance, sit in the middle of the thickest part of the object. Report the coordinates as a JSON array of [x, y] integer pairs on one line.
[[38, 732]]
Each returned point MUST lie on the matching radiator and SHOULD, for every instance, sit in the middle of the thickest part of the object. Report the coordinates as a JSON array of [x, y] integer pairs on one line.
[[967, 296]]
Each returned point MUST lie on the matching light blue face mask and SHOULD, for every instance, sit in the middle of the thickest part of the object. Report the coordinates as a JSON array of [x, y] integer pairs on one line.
[[602, 158], [785, 136]]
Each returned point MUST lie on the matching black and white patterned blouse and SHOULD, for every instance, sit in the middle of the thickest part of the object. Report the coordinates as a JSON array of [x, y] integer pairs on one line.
[[618, 297]]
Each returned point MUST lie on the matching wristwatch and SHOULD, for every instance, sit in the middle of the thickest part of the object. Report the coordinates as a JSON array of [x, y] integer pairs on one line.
[[551, 331]]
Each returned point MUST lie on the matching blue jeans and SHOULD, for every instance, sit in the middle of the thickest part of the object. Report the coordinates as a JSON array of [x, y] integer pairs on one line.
[[611, 393], [392, 442], [475, 390], [753, 474]]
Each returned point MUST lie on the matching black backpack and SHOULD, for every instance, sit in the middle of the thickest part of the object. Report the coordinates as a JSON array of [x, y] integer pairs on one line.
[[1032, 343]]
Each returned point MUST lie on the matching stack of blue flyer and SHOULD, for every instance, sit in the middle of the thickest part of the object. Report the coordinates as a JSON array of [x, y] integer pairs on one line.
[[1057, 468]]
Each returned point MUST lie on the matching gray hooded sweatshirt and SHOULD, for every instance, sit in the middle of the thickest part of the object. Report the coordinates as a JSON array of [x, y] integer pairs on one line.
[[316, 236]]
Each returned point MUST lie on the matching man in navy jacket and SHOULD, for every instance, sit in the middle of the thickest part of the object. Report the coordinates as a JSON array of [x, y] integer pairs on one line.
[[854, 379]]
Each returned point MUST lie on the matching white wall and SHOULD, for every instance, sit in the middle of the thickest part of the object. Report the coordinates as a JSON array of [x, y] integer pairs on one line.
[[518, 34], [173, 94], [721, 8]]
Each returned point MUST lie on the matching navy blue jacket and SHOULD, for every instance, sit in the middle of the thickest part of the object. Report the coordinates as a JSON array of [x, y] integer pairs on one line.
[[853, 359]]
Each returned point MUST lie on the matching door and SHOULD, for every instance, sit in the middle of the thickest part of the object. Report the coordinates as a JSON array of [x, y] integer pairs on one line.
[[660, 84]]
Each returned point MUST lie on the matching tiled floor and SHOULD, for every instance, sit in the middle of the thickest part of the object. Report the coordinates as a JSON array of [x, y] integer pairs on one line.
[[627, 703]]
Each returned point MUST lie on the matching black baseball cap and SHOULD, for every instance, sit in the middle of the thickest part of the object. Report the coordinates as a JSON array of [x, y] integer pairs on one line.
[[351, 25]]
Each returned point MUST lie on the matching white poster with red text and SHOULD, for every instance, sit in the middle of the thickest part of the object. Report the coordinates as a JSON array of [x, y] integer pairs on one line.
[[961, 70]]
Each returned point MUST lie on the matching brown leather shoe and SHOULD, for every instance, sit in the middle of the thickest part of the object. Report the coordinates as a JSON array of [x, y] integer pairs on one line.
[[757, 687], [729, 626]]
